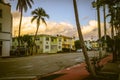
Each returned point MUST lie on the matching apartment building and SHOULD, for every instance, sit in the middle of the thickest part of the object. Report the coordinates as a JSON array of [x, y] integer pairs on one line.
[[68, 42], [48, 44], [5, 28]]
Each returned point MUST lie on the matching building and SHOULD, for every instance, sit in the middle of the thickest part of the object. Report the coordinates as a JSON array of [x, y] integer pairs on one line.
[[49, 44], [5, 28], [46, 43], [53, 44], [68, 43], [88, 44], [95, 45]]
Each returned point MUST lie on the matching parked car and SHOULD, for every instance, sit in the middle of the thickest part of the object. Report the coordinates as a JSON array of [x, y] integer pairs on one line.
[[79, 50], [19, 51]]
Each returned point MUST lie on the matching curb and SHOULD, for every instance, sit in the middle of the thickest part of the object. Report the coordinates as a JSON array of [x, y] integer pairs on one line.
[[20, 78]]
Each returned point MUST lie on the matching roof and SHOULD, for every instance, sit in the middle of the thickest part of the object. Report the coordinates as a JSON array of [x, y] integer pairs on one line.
[[65, 36], [45, 35]]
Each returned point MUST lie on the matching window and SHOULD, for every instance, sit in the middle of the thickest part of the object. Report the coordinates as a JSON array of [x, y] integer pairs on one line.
[[47, 38], [52, 40], [37, 39], [46, 42], [59, 47], [0, 27], [59, 40], [47, 47], [0, 13], [59, 43], [65, 40]]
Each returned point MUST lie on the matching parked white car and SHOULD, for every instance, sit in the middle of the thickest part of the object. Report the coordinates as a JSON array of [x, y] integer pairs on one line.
[[79, 50]]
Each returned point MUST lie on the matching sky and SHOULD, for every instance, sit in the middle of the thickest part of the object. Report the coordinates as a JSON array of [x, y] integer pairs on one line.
[[62, 19]]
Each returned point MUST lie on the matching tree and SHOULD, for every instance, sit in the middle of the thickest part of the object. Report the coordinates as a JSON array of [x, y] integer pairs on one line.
[[89, 65], [114, 11], [77, 44], [28, 42], [39, 15], [108, 42], [22, 5], [97, 5], [27, 39]]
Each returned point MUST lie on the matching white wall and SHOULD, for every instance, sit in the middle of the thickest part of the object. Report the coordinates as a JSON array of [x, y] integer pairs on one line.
[[6, 48], [6, 34]]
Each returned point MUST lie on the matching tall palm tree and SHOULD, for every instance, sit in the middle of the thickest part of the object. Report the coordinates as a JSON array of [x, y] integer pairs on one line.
[[96, 4], [114, 11], [22, 5], [105, 34], [90, 67], [39, 15]]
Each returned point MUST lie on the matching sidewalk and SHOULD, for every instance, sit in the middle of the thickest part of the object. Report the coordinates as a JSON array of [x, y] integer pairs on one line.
[[77, 72]]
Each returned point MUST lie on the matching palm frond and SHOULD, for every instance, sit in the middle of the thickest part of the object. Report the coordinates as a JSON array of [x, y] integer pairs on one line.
[[43, 20], [34, 17], [24, 4]]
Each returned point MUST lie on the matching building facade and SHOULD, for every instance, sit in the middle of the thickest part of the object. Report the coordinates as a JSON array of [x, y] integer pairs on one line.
[[54, 44], [68, 42], [5, 28], [95, 45], [49, 44]]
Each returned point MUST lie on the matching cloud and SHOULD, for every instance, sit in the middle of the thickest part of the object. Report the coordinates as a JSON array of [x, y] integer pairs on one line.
[[16, 14], [53, 28], [90, 31]]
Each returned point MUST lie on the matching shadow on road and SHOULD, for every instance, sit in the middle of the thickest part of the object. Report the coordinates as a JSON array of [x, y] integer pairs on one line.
[[51, 77]]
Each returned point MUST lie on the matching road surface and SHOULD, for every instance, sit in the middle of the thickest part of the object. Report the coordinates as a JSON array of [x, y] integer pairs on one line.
[[39, 65]]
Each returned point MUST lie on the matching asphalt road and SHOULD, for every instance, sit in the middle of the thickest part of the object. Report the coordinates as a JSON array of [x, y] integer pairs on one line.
[[39, 65]]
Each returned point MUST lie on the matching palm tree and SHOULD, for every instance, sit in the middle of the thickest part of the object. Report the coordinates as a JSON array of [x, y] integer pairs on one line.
[[97, 6], [22, 5], [104, 13], [90, 67], [114, 11], [39, 15]]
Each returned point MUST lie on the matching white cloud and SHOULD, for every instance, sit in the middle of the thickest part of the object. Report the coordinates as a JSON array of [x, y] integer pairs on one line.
[[54, 28]]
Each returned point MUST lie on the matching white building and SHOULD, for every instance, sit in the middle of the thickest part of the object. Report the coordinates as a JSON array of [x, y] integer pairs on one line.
[[5, 28], [46, 44], [88, 44]]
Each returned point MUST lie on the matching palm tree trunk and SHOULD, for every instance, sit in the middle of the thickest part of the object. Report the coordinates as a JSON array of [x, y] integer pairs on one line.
[[36, 31], [104, 12], [113, 46], [19, 31], [99, 30], [112, 30], [35, 37], [90, 67]]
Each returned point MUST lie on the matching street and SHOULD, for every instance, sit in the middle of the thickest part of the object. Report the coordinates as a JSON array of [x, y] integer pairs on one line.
[[39, 65]]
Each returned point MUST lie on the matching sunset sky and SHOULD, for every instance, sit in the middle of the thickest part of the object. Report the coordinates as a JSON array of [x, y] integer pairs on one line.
[[61, 21]]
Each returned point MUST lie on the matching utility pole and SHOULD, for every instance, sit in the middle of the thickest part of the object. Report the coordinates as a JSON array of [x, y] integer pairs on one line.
[[90, 67]]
